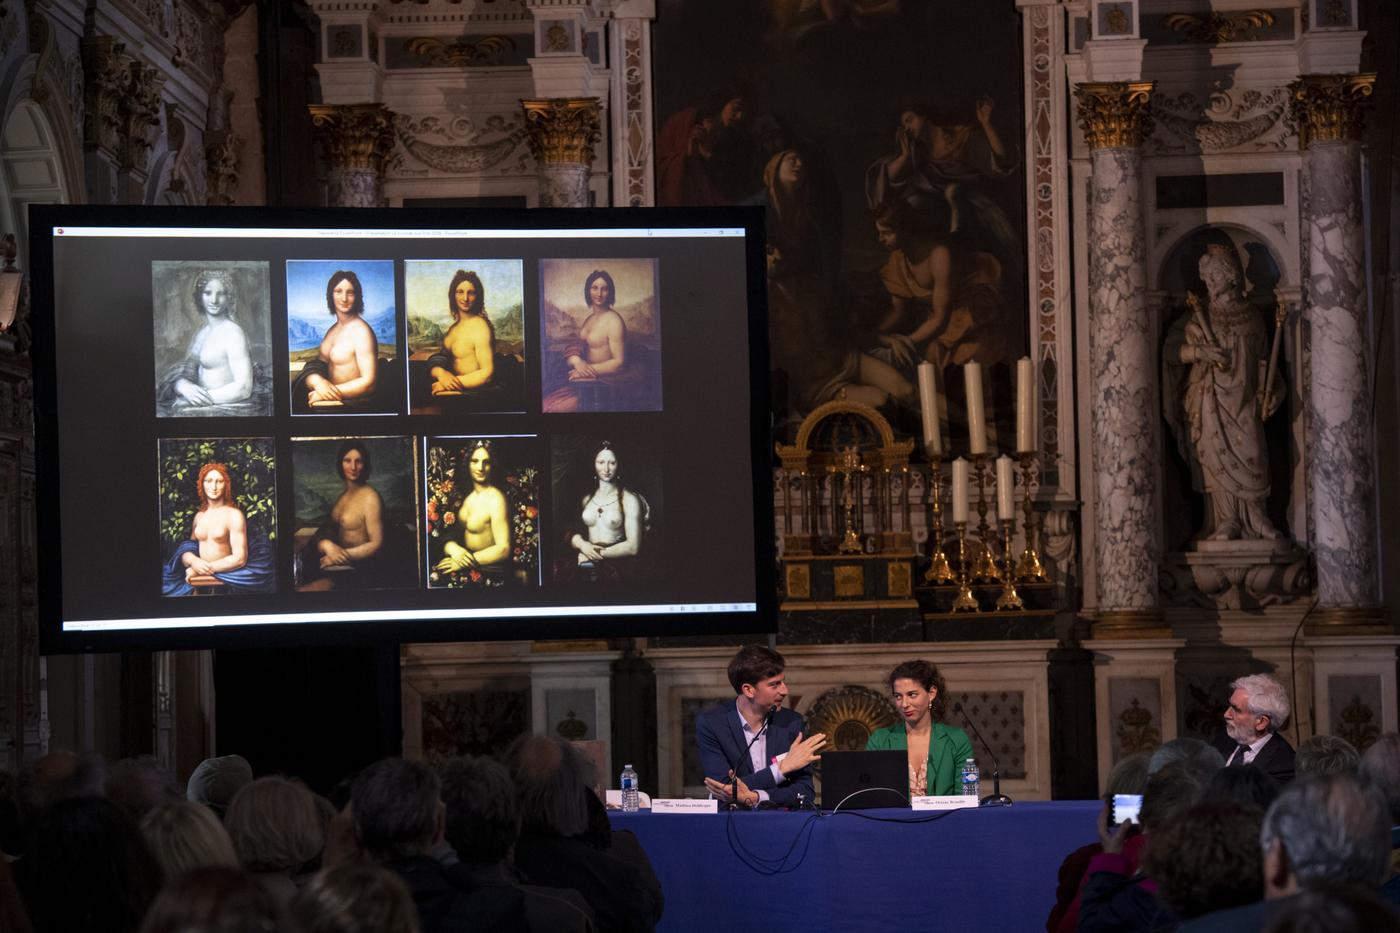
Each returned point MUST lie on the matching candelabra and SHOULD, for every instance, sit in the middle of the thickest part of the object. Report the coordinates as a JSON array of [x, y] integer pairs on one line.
[[849, 466], [965, 602], [938, 569], [1009, 599], [984, 568], [1028, 568]]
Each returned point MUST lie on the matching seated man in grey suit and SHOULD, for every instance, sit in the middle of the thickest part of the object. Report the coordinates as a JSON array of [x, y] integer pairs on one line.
[[753, 750], [1258, 709]]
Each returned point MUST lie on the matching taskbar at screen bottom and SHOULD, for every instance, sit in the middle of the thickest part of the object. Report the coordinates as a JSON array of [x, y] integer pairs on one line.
[[399, 615]]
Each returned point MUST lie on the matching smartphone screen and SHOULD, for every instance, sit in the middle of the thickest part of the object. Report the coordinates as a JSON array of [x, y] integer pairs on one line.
[[1126, 807]]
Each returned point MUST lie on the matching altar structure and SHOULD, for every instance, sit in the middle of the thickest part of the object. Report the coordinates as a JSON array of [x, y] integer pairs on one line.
[[1201, 274]]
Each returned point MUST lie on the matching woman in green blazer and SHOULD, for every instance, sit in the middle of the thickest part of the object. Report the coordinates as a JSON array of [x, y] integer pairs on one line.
[[936, 751]]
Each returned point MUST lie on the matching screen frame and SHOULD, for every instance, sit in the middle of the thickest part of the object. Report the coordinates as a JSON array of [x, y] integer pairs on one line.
[[47, 455]]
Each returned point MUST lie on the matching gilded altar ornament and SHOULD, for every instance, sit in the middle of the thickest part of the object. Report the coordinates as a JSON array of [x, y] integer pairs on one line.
[[1235, 26], [562, 129], [359, 137], [939, 571], [985, 567], [1028, 568], [1116, 114], [1009, 600], [965, 601], [1116, 19], [1328, 108], [848, 465]]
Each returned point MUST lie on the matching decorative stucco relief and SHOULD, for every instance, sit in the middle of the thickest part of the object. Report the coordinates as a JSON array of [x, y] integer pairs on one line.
[[460, 146], [1251, 120]]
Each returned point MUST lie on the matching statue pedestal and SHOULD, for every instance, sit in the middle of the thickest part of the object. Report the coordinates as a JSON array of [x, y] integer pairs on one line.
[[1244, 574]]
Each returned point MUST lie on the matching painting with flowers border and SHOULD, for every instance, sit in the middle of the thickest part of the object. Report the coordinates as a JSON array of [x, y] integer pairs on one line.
[[515, 473]]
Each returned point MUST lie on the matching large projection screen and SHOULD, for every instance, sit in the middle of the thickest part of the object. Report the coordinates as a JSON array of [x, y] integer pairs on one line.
[[261, 426]]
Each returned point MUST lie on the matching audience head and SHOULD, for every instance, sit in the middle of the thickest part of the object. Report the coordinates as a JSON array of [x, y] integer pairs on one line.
[[1172, 791], [397, 805], [1247, 785], [1207, 859], [213, 899], [274, 826], [1325, 827], [754, 664], [140, 784], [1128, 776], [57, 776], [483, 818], [184, 836], [1185, 749], [1326, 754], [552, 781], [216, 780], [87, 868], [1335, 908], [1258, 706], [1381, 766], [355, 897]]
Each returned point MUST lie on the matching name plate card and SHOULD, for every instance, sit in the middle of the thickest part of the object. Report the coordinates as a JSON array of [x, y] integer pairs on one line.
[[661, 805], [948, 802]]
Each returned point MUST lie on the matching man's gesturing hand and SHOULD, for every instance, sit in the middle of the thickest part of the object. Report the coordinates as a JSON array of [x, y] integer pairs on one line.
[[802, 752]]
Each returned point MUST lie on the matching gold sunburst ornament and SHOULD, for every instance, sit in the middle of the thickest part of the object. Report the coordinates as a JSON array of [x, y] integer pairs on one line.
[[848, 715]]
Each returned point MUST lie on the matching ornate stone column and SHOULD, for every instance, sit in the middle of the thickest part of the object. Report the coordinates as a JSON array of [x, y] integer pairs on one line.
[[358, 139], [1341, 460], [561, 133], [1115, 120]]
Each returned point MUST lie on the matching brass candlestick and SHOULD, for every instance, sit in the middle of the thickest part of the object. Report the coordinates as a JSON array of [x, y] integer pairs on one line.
[[965, 602], [985, 567], [1028, 568], [1009, 599], [939, 571]]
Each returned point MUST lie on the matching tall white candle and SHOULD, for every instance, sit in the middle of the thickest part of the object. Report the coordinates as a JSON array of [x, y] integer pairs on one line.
[[959, 490], [976, 410], [1006, 489], [928, 407], [1025, 406]]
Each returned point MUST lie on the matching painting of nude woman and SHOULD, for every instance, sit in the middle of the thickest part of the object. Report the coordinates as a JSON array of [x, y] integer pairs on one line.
[[602, 335], [212, 339], [466, 339], [217, 516]]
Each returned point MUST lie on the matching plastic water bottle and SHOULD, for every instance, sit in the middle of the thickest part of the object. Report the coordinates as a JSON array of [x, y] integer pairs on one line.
[[631, 801], [971, 779]]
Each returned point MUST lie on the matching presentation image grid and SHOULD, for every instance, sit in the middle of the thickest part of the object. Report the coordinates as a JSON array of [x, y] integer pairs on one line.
[[351, 428]]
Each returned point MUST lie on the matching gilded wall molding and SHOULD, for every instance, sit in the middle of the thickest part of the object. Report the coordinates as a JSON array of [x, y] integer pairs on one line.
[[1115, 115], [562, 129], [1236, 26], [1328, 108], [358, 137]]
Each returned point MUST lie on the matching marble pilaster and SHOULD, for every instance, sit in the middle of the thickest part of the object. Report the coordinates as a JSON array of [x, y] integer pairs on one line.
[[1341, 457], [561, 132], [358, 138], [1124, 394]]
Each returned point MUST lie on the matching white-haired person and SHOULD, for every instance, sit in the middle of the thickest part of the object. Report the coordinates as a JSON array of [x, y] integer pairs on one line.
[[1258, 709]]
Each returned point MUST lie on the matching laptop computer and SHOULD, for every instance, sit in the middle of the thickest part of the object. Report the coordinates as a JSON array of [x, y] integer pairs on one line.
[[865, 780]]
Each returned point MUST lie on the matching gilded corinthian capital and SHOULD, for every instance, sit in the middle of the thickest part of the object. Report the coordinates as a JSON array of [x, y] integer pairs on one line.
[[562, 129], [1114, 115], [359, 137], [1328, 108]]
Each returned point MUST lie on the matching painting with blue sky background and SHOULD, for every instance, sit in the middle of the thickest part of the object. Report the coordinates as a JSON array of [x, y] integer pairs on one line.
[[309, 317]]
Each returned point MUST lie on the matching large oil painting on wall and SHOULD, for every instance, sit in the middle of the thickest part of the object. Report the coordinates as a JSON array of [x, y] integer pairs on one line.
[[884, 139]]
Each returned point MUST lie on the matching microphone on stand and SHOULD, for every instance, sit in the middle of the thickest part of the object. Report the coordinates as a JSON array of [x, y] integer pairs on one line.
[[996, 798], [734, 770]]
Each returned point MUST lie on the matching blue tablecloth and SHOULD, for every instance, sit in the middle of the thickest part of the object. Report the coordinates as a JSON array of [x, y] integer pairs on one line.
[[962, 870]]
